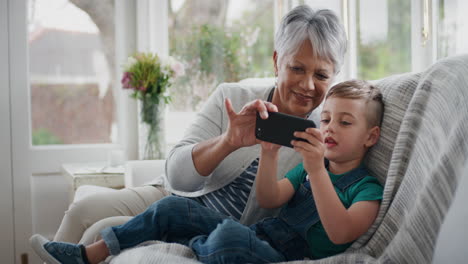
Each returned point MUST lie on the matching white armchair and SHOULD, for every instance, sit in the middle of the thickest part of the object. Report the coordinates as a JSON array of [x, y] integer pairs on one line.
[[141, 172], [137, 173]]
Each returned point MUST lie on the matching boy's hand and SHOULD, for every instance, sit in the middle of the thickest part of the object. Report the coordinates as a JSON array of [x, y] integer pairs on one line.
[[267, 146], [312, 150]]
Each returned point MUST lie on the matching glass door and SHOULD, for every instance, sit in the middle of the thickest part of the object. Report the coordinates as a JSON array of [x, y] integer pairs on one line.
[[63, 102], [71, 61]]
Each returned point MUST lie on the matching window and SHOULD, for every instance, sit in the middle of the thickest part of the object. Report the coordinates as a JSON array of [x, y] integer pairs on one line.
[[452, 26], [383, 38], [218, 41], [71, 62]]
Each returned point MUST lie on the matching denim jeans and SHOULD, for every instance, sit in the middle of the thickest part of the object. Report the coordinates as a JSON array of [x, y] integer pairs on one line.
[[217, 238], [288, 232], [214, 237]]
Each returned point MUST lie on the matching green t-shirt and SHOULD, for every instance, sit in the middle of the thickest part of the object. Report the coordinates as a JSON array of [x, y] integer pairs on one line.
[[367, 189]]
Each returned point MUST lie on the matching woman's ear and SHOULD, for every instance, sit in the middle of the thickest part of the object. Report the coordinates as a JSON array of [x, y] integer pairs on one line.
[[275, 62], [373, 137]]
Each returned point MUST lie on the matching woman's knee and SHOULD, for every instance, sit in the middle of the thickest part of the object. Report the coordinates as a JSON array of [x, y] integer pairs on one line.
[[80, 210]]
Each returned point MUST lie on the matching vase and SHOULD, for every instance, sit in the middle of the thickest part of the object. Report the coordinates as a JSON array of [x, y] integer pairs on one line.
[[151, 130]]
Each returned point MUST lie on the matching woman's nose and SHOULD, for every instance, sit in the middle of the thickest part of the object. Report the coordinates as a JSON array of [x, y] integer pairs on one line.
[[308, 83]]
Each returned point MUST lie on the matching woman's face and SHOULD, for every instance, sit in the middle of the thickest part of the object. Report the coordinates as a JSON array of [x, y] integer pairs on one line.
[[303, 81]]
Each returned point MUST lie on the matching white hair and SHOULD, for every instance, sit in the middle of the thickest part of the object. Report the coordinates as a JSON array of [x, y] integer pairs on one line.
[[321, 27]]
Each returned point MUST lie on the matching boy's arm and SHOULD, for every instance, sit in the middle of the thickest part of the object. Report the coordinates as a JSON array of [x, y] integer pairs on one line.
[[271, 193], [342, 225]]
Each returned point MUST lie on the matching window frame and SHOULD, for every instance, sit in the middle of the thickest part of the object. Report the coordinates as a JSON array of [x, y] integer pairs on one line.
[[47, 159]]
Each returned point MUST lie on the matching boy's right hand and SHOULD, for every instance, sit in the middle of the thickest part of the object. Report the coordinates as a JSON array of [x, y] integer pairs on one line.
[[312, 150], [267, 146]]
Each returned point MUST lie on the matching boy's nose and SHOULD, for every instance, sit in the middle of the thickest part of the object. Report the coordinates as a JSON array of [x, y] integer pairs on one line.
[[330, 127]]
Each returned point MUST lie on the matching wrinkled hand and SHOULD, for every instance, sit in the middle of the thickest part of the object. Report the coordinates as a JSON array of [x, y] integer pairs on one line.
[[312, 150], [241, 127]]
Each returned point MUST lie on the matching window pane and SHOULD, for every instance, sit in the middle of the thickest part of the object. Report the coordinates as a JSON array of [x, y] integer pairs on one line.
[[219, 41], [334, 5], [384, 38], [70, 59], [452, 28]]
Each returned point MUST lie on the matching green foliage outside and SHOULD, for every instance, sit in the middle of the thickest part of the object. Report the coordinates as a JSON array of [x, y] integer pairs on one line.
[[214, 54], [390, 56], [260, 52], [43, 136], [211, 56], [228, 54]]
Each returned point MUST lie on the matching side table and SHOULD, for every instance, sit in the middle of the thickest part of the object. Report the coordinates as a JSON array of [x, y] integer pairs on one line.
[[98, 173]]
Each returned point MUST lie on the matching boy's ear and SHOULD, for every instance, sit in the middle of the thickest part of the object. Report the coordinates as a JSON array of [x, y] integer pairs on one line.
[[374, 134]]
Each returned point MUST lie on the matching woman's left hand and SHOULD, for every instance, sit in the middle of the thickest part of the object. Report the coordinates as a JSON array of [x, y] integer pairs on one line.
[[312, 150]]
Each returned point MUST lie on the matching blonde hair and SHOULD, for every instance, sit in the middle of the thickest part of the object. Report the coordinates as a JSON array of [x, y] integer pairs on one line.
[[359, 89]]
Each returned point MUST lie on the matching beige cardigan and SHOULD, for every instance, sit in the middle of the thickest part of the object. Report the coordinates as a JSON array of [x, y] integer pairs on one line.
[[212, 121]]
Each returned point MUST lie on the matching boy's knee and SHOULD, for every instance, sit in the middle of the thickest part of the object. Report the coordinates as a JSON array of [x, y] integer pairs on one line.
[[168, 203], [230, 231], [224, 244]]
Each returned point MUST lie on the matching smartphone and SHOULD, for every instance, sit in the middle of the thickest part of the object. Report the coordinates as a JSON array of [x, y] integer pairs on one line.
[[279, 128]]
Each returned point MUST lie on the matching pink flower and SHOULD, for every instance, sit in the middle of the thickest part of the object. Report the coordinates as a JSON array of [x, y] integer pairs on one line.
[[178, 68], [174, 65], [127, 77]]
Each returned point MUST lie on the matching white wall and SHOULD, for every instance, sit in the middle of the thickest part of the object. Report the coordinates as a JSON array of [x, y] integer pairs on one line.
[[6, 195], [49, 202], [451, 242]]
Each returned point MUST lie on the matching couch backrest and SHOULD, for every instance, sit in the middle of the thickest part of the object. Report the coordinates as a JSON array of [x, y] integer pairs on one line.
[[423, 165], [397, 91]]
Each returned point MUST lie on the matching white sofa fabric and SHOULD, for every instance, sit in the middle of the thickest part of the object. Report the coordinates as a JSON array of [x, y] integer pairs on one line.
[[420, 158]]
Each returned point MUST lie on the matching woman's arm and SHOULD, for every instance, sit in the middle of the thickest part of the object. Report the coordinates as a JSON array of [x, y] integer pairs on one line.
[[271, 193], [206, 144]]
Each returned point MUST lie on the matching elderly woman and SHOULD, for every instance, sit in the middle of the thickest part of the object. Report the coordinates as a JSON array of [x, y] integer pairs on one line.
[[217, 160]]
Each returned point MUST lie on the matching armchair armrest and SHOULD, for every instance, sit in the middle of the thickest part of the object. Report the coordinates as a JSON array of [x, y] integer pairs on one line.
[[140, 172]]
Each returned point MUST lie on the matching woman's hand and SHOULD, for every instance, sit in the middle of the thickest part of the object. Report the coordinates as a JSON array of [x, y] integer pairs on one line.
[[241, 127], [312, 150]]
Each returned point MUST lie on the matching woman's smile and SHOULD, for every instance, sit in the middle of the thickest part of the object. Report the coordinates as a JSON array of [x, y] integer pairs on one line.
[[304, 99]]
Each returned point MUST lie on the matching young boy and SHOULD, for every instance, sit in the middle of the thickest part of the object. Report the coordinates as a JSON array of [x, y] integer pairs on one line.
[[328, 204]]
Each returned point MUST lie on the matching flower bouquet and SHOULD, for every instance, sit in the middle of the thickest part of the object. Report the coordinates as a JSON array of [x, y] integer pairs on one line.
[[149, 77]]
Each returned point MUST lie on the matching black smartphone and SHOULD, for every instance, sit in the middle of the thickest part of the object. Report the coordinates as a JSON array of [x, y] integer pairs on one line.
[[279, 128]]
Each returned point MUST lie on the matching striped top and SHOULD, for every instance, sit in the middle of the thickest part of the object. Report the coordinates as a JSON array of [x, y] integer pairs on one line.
[[232, 198]]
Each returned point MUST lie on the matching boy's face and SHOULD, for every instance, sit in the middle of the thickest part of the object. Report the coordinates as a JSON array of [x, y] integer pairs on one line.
[[345, 129]]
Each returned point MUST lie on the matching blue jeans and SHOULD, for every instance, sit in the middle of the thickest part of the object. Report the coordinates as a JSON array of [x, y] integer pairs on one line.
[[214, 237]]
